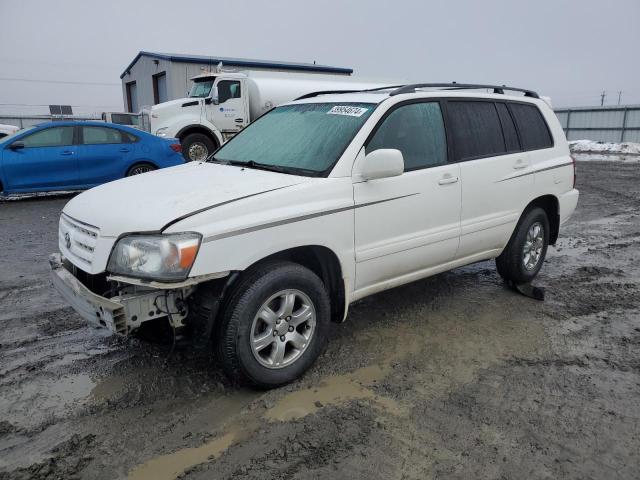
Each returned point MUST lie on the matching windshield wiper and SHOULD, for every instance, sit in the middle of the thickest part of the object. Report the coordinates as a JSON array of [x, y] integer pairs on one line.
[[262, 166], [268, 167], [212, 158]]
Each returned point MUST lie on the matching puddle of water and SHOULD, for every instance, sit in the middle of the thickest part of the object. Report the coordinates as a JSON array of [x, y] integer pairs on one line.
[[168, 467], [401, 341], [333, 390], [107, 388], [220, 411]]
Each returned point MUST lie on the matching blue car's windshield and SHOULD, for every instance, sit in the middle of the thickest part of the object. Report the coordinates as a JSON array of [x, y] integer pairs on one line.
[[303, 138]]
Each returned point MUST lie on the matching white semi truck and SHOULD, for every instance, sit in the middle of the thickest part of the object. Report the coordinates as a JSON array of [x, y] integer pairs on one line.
[[220, 104]]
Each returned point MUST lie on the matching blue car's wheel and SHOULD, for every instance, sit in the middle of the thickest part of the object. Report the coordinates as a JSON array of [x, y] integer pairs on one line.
[[139, 168]]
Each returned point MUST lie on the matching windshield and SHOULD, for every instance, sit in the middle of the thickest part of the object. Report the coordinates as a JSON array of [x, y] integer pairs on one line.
[[303, 138], [124, 119], [201, 88]]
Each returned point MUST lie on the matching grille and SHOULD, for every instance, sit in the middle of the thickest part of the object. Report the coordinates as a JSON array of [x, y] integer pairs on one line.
[[77, 241]]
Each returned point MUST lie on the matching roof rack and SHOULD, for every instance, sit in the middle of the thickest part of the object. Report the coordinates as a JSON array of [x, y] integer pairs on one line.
[[330, 92], [398, 89], [462, 86]]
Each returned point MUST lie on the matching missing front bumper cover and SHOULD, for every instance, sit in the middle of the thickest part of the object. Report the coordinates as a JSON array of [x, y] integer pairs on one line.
[[122, 313]]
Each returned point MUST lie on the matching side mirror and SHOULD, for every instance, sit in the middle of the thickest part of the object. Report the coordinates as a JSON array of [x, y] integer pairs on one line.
[[16, 146], [214, 95], [383, 163]]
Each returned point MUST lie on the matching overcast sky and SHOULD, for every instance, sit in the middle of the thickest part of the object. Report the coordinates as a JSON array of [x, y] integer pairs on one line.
[[569, 50]]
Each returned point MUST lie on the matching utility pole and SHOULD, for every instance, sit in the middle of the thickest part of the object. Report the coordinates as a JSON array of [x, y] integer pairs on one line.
[[602, 95], [619, 96]]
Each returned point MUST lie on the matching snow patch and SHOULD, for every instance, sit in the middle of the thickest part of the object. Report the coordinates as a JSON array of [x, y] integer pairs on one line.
[[589, 146]]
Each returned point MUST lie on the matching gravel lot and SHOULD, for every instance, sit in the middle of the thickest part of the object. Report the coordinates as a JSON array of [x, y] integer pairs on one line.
[[450, 377]]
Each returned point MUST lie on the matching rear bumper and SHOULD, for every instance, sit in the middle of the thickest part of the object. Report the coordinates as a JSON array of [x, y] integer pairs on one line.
[[568, 203], [97, 310]]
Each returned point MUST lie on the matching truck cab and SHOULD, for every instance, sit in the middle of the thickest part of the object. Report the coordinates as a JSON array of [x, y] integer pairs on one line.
[[217, 107]]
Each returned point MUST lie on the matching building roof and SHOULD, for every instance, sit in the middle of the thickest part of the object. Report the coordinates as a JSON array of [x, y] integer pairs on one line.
[[238, 62]]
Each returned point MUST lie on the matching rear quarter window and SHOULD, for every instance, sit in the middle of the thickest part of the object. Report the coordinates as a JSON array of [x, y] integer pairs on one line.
[[533, 129]]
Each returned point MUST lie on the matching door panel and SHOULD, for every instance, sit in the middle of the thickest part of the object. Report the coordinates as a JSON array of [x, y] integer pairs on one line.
[[487, 146], [491, 201], [411, 222], [102, 155], [48, 161], [231, 114], [405, 224]]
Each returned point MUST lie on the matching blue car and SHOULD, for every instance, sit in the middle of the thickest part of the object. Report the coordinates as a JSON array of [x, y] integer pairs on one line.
[[80, 155]]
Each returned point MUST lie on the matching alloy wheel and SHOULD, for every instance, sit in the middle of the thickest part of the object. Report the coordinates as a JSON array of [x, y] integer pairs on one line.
[[533, 245], [283, 328]]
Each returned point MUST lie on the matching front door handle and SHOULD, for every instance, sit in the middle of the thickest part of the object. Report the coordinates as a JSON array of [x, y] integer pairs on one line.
[[125, 150], [67, 152], [239, 120], [447, 179], [520, 163]]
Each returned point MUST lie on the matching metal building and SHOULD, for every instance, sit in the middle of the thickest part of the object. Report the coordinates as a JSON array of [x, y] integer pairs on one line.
[[602, 124], [153, 78]]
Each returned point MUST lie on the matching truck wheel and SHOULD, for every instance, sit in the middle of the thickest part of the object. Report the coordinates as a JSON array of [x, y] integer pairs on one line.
[[196, 147], [274, 325], [523, 256]]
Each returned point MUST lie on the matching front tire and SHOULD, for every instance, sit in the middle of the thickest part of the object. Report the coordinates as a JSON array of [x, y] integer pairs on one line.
[[197, 147], [524, 255], [274, 325]]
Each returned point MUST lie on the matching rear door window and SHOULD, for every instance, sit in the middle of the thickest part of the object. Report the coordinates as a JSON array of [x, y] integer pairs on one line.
[[534, 132], [508, 128], [475, 129], [100, 136], [417, 130]]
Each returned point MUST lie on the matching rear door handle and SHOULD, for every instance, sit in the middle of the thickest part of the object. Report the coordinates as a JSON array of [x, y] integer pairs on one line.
[[239, 120], [67, 152], [520, 163], [125, 150], [447, 179]]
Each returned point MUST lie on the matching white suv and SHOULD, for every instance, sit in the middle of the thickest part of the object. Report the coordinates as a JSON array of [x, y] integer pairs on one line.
[[317, 204]]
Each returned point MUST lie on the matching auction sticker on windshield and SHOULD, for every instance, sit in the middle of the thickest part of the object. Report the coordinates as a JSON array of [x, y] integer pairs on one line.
[[348, 110]]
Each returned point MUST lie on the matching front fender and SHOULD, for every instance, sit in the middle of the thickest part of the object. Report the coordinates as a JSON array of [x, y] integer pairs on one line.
[[210, 127]]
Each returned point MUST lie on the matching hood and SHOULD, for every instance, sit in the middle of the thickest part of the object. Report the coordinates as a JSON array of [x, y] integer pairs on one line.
[[171, 104], [148, 202], [165, 113]]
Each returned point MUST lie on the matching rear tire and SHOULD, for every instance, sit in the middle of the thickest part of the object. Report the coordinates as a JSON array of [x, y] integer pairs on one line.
[[274, 325], [140, 168], [524, 255], [196, 147]]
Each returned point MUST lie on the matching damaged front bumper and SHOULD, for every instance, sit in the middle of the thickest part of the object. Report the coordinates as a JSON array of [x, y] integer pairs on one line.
[[98, 311], [125, 311]]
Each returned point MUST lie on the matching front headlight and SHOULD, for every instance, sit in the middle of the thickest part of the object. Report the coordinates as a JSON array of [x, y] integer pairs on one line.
[[162, 132], [157, 257]]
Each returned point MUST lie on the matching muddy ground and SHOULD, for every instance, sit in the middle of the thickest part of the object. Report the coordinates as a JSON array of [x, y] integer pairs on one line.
[[450, 377]]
